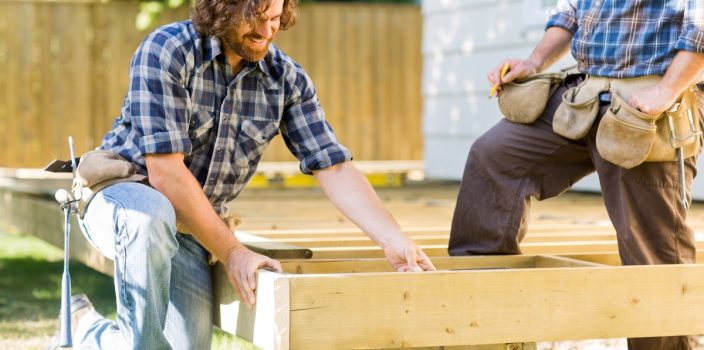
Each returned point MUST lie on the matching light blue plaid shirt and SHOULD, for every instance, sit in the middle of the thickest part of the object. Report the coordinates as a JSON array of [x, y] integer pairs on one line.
[[622, 39], [184, 98]]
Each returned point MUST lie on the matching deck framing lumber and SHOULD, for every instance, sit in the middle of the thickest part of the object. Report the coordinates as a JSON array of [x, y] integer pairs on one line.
[[571, 286], [480, 306]]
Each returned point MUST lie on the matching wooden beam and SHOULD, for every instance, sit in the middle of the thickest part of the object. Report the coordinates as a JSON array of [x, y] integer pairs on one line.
[[383, 310], [613, 259], [267, 324], [433, 250], [271, 248], [538, 228], [441, 263], [362, 240]]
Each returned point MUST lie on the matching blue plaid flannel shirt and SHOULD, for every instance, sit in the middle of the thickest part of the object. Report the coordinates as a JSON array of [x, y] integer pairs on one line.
[[184, 98], [623, 39]]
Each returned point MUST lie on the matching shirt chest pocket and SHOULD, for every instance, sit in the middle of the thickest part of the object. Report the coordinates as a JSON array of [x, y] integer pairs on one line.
[[254, 136], [200, 129]]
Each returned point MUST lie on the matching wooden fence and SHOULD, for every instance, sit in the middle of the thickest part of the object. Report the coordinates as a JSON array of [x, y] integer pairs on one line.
[[64, 64]]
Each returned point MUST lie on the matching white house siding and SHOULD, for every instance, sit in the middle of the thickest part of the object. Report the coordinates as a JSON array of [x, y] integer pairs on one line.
[[462, 40]]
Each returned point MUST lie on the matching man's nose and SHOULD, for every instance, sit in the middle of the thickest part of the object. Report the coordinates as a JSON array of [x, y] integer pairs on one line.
[[264, 29]]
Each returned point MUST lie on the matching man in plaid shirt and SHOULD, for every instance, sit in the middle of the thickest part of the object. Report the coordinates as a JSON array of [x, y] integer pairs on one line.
[[205, 98], [513, 162]]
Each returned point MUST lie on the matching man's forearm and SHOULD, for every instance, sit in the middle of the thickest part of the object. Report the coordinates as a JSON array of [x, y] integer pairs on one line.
[[554, 44], [169, 175], [685, 70], [351, 193]]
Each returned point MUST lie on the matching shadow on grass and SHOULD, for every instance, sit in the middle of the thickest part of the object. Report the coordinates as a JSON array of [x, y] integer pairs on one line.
[[30, 289]]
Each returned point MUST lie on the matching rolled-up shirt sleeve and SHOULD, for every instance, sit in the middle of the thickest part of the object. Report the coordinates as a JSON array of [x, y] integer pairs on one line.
[[564, 16], [306, 132], [157, 98], [692, 37]]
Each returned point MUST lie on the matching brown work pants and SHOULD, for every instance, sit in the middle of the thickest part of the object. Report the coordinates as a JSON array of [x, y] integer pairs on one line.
[[512, 162]]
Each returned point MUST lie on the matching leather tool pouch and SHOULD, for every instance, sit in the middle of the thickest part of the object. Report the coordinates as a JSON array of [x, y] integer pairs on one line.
[[680, 128], [523, 100], [100, 169], [628, 137], [578, 110]]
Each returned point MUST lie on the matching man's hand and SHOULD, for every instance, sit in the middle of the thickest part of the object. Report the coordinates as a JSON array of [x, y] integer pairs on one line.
[[241, 266], [685, 70], [554, 44], [406, 256], [516, 69], [653, 100]]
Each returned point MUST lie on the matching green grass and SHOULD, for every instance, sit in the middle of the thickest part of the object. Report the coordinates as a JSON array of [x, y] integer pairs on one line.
[[30, 280]]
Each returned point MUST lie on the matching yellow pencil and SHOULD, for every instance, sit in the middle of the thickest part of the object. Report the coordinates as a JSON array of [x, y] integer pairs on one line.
[[494, 88]]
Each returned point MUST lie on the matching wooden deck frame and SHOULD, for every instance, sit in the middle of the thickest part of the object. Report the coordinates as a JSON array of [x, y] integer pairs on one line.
[[338, 309], [40, 215], [336, 303]]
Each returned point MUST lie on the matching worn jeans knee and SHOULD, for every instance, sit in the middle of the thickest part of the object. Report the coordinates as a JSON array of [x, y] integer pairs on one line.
[[135, 226]]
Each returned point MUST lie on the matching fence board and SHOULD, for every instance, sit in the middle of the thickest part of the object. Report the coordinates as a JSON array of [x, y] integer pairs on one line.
[[64, 66]]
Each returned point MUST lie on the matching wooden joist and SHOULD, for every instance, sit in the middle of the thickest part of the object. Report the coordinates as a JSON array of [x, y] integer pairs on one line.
[[569, 300], [569, 247]]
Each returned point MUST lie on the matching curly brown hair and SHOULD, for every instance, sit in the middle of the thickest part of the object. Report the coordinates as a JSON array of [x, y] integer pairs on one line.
[[215, 17]]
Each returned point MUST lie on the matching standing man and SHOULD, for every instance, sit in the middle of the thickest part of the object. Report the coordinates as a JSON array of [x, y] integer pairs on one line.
[[513, 162], [205, 98]]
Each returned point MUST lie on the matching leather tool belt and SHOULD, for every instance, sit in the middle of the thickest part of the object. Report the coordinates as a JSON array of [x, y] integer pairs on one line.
[[626, 136]]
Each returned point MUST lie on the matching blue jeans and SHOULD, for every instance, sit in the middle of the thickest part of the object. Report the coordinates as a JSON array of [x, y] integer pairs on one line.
[[162, 278]]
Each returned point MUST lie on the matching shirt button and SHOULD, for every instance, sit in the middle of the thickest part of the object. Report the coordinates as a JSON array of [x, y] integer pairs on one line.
[[211, 181], [219, 149]]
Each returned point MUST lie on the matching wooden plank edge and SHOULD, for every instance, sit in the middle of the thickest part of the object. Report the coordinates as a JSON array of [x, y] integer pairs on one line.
[[548, 304]]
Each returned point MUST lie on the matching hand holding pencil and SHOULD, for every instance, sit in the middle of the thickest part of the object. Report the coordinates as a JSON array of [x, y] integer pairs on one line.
[[508, 71], [495, 87]]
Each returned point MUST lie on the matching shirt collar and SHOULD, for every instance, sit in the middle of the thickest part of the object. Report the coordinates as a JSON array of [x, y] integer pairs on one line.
[[211, 48]]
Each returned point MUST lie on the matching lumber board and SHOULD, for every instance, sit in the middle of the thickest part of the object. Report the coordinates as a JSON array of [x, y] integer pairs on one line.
[[441, 263], [613, 259], [434, 250], [267, 324], [362, 239], [271, 248], [461, 308], [547, 231]]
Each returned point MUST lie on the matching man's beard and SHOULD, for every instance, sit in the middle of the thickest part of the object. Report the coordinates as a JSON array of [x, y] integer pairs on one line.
[[240, 47]]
